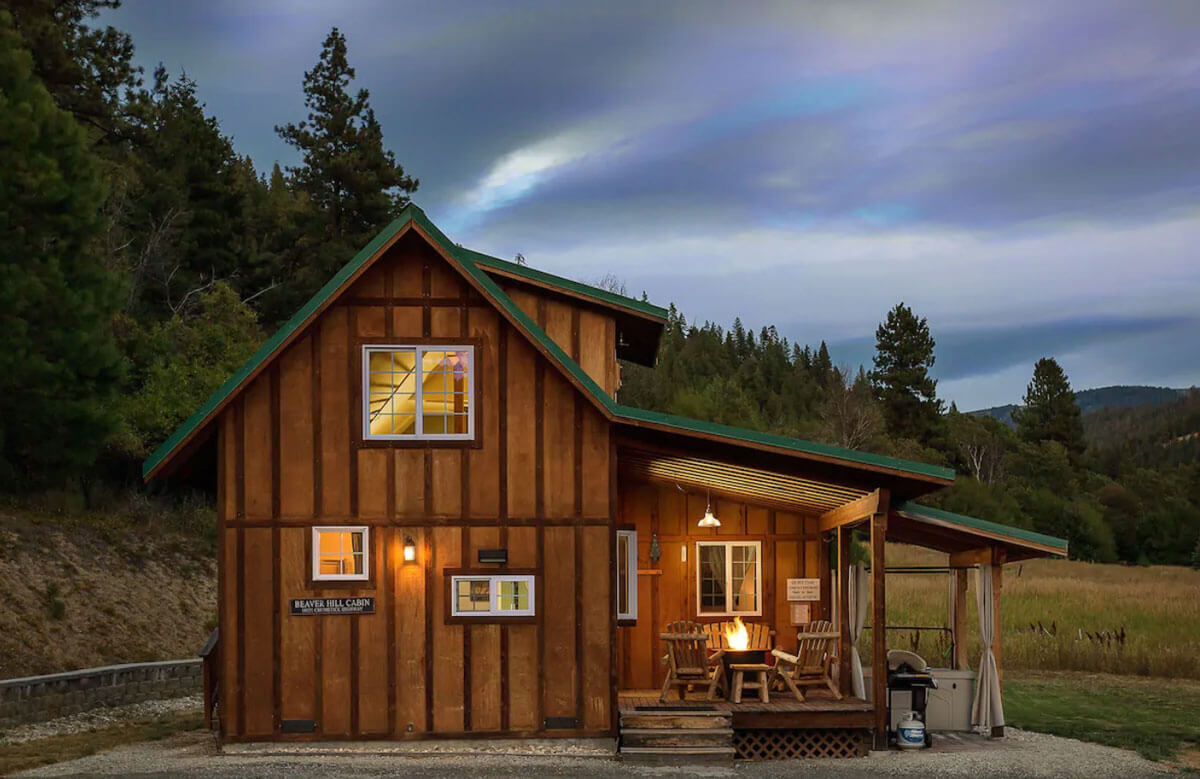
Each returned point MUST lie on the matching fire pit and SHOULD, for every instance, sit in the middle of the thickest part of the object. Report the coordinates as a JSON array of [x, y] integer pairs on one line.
[[737, 651]]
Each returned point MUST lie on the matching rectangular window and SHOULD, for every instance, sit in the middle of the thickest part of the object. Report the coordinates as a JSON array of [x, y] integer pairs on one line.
[[727, 578], [627, 574], [340, 554], [418, 392], [496, 596]]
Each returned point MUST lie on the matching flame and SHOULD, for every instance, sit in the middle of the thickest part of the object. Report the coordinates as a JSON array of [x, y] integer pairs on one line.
[[737, 637]]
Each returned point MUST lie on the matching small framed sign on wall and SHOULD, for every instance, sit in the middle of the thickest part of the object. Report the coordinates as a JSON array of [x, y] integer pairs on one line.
[[801, 614], [803, 589]]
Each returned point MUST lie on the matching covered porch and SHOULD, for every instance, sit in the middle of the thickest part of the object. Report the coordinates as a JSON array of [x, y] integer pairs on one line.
[[782, 556]]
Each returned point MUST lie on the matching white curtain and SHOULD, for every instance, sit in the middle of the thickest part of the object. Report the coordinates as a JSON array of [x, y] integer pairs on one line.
[[988, 710], [858, 618]]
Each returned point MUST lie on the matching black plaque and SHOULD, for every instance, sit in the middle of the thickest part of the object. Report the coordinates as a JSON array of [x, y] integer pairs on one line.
[[308, 607]]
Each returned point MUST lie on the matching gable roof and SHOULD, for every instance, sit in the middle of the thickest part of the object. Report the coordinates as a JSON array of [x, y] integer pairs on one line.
[[472, 267]]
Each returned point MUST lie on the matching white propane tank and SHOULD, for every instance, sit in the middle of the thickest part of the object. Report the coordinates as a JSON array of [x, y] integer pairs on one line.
[[910, 732]]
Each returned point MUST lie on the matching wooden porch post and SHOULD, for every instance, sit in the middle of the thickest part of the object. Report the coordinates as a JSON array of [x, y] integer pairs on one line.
[[959, 628], [843, 608], [998, 558], [879, 628]]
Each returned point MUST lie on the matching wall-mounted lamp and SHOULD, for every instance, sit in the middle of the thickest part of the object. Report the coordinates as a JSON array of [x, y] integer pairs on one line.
[[708, 520], [410, 549]]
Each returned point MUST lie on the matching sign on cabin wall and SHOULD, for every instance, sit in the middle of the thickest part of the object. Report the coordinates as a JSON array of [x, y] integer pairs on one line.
[[803, 589], [801, 614], [307, 607]]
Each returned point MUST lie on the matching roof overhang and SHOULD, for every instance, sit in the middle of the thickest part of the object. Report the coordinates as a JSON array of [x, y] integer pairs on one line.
[[944, 531]]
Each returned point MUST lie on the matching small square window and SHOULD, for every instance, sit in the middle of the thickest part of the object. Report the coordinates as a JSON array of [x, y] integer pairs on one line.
[[340, 554]]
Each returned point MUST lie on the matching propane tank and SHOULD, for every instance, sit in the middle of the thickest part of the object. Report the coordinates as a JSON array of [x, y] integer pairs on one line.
[[910, 732]]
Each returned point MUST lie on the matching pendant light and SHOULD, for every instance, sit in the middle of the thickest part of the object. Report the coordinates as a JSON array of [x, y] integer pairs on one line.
[[708, 520]]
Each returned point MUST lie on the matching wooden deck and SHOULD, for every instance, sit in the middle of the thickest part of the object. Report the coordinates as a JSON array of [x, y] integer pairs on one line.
[[782, 712]]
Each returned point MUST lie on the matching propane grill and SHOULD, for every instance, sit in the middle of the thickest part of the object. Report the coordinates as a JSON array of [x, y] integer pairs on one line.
[[908, 671]]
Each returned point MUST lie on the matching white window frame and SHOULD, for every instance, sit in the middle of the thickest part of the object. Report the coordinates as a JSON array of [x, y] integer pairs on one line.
[[758, 574], [631, 579], [419, 421], [340, 577], [494, 594]]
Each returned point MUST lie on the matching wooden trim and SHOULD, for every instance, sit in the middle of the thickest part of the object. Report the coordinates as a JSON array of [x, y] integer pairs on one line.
[[843, 607], [464, 547], [576, 298], [419, 522], [431, 736], [389, 301], [276, 562], [613, 675], [850, 513], [426, 312], [502, 519], [879, 621], [315, 358], [388, 543], [959, 628], [222, 570], [430, 561], [982, 556], [353, 412], [801, 720], [239, 416]]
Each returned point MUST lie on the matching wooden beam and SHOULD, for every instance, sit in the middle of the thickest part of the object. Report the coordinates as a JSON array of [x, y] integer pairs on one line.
[[998, 559], [843, 608], [851, 512], [879, 623], [959, 628], [970, 557]]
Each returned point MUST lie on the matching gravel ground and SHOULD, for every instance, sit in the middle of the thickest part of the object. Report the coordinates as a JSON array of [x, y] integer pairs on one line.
[[1022, 754], [100, 718]]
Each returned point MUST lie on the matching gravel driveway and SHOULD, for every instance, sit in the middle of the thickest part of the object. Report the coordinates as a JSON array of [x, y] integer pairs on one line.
[[1021, 754]]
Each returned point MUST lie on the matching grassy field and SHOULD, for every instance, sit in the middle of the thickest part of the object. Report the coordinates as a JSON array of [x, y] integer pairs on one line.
[[1157, 717], [1049, 606], [19, 757]]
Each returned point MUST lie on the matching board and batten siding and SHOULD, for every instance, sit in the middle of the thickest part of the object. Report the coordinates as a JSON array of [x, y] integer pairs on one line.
[[538, 481], [791, 549]]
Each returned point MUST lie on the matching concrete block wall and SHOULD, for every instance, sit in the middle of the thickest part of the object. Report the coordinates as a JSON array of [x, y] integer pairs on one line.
[[40, 698]]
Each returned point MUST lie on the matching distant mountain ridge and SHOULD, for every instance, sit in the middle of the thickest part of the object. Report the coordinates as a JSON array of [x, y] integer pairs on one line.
[[1117, 396]]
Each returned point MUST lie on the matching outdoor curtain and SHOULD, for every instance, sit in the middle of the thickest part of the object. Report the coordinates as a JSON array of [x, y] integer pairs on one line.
[[988, 710], [858, 618]]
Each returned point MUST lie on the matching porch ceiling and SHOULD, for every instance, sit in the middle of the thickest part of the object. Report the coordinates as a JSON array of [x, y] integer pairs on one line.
[[755, 485]]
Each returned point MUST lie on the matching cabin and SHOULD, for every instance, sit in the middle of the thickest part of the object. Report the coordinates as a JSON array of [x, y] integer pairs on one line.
[[437, 521]]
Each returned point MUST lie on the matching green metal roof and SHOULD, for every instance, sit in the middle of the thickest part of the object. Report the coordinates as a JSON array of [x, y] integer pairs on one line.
[[470, 263], [1018, 535], [585, 290]]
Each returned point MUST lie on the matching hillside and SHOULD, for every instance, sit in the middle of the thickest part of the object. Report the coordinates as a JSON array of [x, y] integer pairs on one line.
[[88, 590], [1090, 400]]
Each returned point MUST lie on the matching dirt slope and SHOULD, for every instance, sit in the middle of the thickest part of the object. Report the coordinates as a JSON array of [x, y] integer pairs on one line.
[[76, 593]]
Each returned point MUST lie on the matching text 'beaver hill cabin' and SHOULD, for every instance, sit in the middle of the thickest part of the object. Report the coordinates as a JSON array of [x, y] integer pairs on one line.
[[435, 520]]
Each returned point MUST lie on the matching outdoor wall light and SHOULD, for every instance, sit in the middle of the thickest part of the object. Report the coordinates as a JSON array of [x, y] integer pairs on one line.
[[410, 549]]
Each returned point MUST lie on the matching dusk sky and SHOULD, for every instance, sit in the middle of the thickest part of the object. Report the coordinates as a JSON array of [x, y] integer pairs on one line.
[[1025, 175]]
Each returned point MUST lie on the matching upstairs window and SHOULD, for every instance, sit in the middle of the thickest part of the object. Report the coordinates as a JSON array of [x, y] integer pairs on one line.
[[727, 578], [340, 554], [418, 392]]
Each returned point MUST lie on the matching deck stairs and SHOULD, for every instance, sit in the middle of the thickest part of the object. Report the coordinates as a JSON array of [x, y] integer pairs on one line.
[[679, 735]]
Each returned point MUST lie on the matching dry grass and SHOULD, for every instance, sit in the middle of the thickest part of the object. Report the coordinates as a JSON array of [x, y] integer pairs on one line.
[[1156, 607], [30, 754]]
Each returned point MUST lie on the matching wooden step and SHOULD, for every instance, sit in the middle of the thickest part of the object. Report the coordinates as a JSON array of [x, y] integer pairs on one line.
[[676, 737], [674, 755], [676, 719]]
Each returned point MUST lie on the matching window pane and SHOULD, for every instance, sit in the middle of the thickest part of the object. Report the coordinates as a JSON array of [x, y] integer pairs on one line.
[[744, 571], [340, 553], [391, 391], [473, 595], [622, 574], [513, 596], [712, 579]]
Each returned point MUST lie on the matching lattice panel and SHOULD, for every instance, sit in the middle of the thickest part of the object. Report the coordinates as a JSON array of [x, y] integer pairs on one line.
[[792, 744]]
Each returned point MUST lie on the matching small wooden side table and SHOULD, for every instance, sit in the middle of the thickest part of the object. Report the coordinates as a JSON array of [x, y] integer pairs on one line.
[[759, 673]]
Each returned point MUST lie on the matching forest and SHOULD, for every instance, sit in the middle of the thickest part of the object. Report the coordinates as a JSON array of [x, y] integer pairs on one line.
[[145, 260]]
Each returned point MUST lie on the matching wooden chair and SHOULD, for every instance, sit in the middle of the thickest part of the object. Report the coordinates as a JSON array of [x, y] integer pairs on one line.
[[688, 661], [813, 663], [761, 636]]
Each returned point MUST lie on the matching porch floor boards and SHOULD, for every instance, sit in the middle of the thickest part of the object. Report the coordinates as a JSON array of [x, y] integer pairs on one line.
[[630, 700]]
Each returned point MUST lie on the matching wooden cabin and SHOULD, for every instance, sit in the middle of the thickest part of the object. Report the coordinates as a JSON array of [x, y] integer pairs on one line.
[[435, 519]]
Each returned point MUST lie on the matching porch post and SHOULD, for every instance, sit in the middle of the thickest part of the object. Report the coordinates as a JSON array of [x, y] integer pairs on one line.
[[879, 628], [843, 608], [959, 627], [998, 558]]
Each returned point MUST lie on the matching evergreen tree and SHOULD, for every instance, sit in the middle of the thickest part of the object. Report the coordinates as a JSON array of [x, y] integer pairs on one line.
[[353, 183], [58, 365], [1050, 412], [903, 357]]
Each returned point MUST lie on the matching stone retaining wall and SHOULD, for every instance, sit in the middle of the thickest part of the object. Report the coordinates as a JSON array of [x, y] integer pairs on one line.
[[41, 698]]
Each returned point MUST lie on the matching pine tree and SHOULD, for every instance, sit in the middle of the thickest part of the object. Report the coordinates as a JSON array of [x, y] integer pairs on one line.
[[1050, 412], [354, 184], [58, 365], [903, 357]]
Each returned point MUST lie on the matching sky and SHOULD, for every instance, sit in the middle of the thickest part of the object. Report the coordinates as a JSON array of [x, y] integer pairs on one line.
[[1026, 175]]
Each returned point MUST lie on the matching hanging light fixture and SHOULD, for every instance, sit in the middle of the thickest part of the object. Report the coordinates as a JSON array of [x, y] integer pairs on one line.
[[410, 549], [708, 520]]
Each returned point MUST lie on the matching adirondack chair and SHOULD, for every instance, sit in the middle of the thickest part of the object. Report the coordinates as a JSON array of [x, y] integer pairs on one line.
[[812, 665], [688, 661], [761, 636]]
